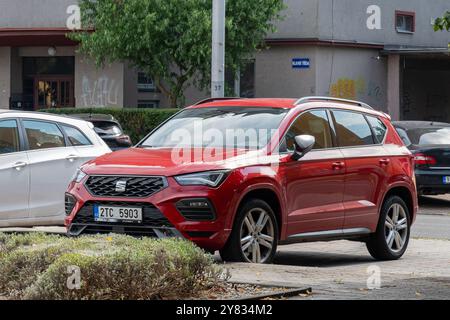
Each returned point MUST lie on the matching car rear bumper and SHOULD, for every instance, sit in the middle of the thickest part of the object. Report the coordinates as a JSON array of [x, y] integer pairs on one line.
[[432, 181]]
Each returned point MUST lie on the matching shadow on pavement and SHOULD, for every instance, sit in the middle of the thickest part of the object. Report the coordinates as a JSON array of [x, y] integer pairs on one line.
[[320, 259], [434, 202]]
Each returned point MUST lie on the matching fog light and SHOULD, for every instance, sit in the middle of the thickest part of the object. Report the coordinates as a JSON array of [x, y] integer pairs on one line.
[[69, 202], [199, 209]]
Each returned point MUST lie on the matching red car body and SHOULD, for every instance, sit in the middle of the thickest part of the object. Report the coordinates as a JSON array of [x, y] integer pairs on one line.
[[333, 189]]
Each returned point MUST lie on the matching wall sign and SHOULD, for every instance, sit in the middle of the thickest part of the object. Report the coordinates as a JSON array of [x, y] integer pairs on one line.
[[300, 63]]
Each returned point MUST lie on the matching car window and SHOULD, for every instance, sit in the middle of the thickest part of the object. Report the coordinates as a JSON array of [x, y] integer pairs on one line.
[[76, 137], [378, 128], [106, 128], [352, 129], [9, 137], [314, 123], [43, 135], [430, 136], [404, 136]]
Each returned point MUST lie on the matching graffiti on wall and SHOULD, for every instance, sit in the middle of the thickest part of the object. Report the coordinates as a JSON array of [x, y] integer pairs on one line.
[[347, 88], [100, 92]]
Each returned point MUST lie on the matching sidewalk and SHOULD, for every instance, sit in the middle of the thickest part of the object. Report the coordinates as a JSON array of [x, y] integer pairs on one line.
[[339, 270]]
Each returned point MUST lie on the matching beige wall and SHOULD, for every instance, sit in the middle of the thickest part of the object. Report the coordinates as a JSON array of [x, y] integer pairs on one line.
[[352, 73], [5, 76], [275, 77], [99, 87]]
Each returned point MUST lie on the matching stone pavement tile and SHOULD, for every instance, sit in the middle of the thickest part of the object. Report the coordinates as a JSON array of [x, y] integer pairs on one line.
[[340, 270]]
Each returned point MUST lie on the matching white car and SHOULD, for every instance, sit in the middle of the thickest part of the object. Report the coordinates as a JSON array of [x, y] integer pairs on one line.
[[39, 154]]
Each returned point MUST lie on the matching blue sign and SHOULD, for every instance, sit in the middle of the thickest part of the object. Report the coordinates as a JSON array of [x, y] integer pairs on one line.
[[300, 63]]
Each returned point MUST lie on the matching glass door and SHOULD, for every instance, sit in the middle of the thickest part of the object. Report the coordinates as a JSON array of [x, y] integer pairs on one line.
[[53, 92]]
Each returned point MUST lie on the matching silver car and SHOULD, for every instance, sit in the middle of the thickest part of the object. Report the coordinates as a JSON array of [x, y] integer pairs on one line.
[[39, 154]]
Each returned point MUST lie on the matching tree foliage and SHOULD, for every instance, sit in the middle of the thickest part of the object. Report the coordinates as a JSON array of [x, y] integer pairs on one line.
[[442, 23], [170, 40]]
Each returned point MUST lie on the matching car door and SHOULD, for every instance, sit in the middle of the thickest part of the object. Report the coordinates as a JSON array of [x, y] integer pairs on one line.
[[14, 173], [314, 190], [52, 163], [86, 148], [367, 165]]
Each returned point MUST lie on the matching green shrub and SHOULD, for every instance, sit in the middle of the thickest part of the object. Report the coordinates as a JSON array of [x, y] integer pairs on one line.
[[137, 123], [112, 267]]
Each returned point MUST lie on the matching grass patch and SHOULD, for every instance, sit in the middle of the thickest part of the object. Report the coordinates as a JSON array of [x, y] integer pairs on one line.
[[38, 266]]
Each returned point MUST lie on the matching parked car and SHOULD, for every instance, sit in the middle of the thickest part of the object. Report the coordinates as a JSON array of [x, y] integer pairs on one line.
[[430, 144], [321, 169], [39, 155], [109, 129]]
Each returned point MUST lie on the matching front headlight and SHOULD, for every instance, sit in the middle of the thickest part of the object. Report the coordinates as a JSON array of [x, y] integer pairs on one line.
[[78, 176], [209, 178]]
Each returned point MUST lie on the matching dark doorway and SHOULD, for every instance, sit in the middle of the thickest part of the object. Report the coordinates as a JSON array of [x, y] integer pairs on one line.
[[425, 88], [48, 82]]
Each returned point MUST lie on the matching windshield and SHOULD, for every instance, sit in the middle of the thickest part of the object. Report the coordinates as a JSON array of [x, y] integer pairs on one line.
[[430, 136], [106, 128], [223, 127]]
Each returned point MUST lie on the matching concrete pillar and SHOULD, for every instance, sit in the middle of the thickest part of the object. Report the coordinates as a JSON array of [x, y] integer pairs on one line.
[[5, 77], [393, 86]]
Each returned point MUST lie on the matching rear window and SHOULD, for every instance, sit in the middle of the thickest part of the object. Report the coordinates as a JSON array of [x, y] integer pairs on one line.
[[430, 136], [352, 129], [107, 128]]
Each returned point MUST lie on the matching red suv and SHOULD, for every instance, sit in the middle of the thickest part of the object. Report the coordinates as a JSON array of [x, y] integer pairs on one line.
[[245, 175]]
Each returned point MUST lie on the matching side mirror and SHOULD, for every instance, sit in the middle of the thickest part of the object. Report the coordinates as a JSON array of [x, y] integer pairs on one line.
[[303, 145]]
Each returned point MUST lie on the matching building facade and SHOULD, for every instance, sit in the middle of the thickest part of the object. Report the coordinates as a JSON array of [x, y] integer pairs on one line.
[[383, 52]]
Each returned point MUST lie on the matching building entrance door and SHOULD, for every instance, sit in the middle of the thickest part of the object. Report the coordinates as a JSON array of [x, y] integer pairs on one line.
[[53, 92]]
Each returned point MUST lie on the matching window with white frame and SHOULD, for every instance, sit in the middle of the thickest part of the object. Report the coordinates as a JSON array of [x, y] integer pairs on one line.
[[405, 21], [145, 83], [148, 104]]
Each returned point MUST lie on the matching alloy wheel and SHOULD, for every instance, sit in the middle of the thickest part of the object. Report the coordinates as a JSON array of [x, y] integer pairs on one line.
[[257, 236], [396, 228]]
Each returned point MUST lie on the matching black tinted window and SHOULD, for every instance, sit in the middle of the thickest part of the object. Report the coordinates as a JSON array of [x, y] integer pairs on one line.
[[352, 129], [9, 137], [378, 128], [314, 123], [104, 128], [76, 137], [43, 135], [430, 136]]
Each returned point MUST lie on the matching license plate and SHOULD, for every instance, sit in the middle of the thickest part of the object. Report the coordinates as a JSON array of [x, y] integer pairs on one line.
[[446, 180], [117, 214]]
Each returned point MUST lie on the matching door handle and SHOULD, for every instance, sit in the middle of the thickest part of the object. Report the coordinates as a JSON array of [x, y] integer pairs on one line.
[[384, 162], [72, 157], [19, 165], [338, 165]]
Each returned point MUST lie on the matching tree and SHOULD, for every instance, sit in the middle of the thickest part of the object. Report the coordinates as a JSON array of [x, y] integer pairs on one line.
[[442, 23], [170, 40]]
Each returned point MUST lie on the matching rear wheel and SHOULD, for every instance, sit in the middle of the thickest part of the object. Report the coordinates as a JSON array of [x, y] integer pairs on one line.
[[254, 236], [392, 236]]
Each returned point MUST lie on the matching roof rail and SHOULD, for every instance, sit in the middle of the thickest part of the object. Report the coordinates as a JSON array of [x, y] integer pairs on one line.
[[313, 98], [216, 99]]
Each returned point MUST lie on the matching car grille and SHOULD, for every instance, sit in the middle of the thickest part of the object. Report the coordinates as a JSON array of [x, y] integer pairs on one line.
[[136, 187], [151, 216]]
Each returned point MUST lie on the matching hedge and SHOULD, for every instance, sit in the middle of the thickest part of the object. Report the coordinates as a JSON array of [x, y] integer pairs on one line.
[[38, 267], [137, 123]]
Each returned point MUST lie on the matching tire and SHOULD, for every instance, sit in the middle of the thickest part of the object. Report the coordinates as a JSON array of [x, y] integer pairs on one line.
[[256, 241], [384, 244]]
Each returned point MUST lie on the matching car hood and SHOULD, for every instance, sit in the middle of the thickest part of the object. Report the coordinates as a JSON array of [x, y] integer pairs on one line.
[[165, 162]]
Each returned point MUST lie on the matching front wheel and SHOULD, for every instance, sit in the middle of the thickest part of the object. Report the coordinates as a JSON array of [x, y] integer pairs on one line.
[[392, 236], [254, 236]]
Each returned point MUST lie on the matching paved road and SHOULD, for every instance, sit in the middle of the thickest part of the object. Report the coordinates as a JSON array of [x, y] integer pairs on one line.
[[342, 269], [435, 205]]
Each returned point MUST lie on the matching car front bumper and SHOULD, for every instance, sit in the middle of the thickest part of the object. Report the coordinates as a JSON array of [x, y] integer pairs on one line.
[[162, 217]]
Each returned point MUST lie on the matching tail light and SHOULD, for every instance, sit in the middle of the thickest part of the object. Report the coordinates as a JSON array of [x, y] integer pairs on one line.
[[421, 159]]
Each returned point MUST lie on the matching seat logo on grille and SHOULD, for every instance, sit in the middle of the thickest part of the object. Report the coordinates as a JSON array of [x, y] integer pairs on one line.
[[121, 186]]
